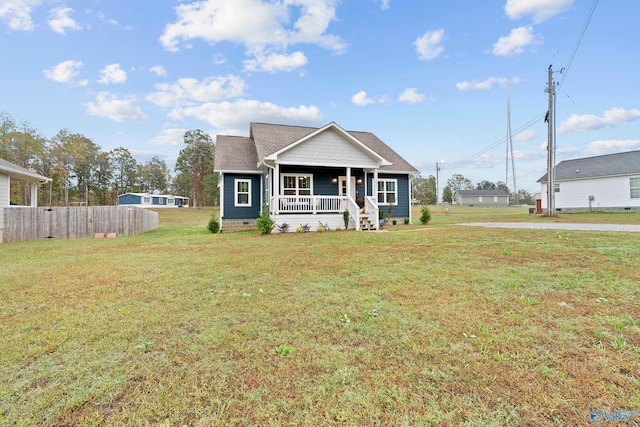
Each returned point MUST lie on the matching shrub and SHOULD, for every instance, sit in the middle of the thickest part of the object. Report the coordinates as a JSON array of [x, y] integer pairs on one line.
[[298, 229], [425, 217], [283, 228], [394, 221], [265, 223], [406, 221], [320, 229], [345, 217], [213, 226]]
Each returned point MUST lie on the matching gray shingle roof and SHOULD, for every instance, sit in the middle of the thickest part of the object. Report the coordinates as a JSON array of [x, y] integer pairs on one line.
[[627, 163], [235, 153], [241, 153], [487, 193]]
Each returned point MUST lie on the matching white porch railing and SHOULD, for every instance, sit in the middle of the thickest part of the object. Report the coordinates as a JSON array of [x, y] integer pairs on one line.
[[310, 204], [371, 208]]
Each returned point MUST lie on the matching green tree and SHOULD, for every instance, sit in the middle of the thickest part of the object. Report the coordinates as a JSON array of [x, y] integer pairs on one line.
[[196, 161], [502, 186], [524, 197], [424, 189], [485, 185], [77, 161], [124, 170], [158, 175], [459, 182], [447, 195]]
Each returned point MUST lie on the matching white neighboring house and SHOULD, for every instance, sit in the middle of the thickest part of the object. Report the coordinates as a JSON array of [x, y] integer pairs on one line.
[[481, 198], [606, 183], [12, 172]]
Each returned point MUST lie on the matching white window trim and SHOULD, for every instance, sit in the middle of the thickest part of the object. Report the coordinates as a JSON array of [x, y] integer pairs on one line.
[[146, 200], [479, 199], [631, 187], [297, 189], [236, 193], [395, 192]]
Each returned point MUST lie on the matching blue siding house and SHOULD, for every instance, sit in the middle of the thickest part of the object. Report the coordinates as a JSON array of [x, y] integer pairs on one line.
[[305, 175], [147, 200]]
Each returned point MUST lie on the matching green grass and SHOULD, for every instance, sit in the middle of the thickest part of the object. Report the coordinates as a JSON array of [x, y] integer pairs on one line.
[[422, 325]]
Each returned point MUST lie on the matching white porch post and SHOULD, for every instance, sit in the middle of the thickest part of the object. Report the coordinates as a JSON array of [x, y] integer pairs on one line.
[[374, 184], [410, 198], [276, 188], [348, 182], [222, 198], [34, 195]]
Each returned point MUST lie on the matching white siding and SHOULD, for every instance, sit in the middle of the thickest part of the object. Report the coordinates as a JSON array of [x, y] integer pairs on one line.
[[329, 149], [610, 192], [4, 191], [4, 200]]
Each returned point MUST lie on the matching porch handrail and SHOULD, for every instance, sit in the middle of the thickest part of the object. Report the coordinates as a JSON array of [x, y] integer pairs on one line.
[[354, 212], [371, 207], [310, 204]]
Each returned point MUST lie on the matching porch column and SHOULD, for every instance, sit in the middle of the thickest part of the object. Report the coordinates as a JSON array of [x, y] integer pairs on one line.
[[223, 199], [34, 195], [348, 182], [374, 184], [276, 188]]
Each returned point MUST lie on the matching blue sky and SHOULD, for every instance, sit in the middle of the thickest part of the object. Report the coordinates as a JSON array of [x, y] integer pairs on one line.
[[427, 77]]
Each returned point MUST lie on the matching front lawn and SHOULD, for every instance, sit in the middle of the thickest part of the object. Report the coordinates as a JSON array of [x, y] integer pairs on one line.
[[439, 325]]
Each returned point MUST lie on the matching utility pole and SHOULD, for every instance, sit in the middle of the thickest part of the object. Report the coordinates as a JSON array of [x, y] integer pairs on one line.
[[551, 147], [437, 191]]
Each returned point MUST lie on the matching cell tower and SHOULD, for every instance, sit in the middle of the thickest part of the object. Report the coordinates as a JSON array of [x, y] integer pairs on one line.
[[509, 147]]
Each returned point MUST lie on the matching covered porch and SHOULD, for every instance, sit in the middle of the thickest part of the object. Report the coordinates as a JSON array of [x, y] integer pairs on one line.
[[321, 195]]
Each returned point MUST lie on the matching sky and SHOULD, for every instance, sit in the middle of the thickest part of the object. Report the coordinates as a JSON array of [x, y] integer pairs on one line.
[[429, 78]]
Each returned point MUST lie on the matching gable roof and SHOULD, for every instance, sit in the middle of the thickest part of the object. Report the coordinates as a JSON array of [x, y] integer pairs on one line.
[[502, 193], [18, 172], [627, 163], [244, 154]]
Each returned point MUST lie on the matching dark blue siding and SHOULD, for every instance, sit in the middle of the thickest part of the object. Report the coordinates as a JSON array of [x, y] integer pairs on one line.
[[129, 199], [323, 177], [402, 208], [240, 212]]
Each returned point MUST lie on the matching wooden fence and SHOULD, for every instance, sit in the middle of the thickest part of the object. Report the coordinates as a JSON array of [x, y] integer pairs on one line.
[[24, 223]]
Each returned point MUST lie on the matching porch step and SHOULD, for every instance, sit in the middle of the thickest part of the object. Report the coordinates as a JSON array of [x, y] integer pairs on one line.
[[366, 224]]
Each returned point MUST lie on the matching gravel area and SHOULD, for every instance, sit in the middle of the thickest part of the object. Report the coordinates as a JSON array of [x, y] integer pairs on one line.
[[558, 226]]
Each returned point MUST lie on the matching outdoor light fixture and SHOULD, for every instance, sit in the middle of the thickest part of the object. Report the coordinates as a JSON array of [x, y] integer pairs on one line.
[[359, 181], [334, 180]]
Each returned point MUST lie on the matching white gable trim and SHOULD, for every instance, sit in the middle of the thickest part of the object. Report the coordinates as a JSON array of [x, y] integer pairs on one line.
[[381, 161]]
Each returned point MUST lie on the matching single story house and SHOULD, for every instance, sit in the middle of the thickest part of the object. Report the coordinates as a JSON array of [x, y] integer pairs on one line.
[[148, 200], [12, 172], [481, 198], [609, 182], [310, 176]]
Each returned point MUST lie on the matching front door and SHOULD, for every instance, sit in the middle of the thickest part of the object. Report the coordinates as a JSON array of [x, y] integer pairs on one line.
[[342, 186]]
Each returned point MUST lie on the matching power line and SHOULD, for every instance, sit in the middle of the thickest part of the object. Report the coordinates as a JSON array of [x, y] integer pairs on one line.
[[580, 37]]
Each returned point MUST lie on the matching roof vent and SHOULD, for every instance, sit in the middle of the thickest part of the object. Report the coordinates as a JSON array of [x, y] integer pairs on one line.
[[577, 170]]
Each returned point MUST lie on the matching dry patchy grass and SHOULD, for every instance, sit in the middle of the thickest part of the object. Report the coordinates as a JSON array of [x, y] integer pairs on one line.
[[443, 325]]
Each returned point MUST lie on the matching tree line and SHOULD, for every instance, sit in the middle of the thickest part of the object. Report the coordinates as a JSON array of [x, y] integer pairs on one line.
[[424, 189], [83, 173]]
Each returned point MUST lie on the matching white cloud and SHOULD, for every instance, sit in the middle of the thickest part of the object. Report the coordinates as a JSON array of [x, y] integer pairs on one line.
[[429, 46], [539, 10], [158, 70], [254, 23], [186, 91], [17, 13], [169, 138], [485, 84], [110, 106], [235, 115], [384, 4], [59, 20], [586, 122], [276, 62], [411, 96], [113, 74], [525, 135], [361, 99], [597, 148], [516, 41], [64, 72]]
